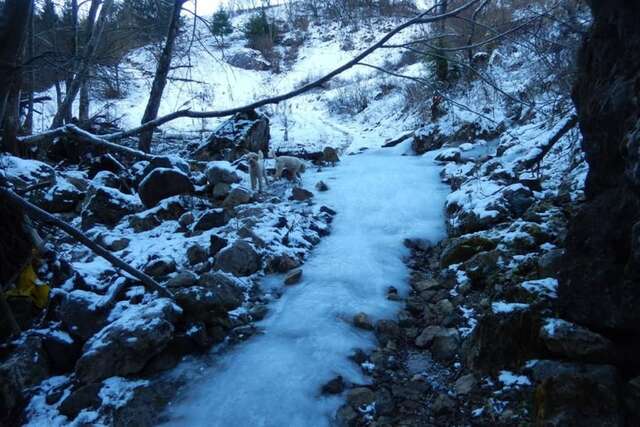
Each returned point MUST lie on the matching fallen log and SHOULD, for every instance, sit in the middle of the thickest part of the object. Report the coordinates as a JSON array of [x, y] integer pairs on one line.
[[567, 125], [74, 132], [36, 213], [393, 142]]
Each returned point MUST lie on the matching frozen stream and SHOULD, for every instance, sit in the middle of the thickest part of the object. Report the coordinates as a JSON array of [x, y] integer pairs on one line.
[[274, 379]]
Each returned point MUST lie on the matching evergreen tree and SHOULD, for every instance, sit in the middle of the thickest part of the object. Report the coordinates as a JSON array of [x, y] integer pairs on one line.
[[221, 24]]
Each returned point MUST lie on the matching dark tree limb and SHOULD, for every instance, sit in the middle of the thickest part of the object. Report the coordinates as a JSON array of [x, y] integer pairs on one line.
[[74, 132], [35, 212], [569, 124]]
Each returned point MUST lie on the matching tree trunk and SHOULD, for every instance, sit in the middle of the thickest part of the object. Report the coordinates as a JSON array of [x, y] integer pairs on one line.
[[160, 79], [83, 112], [28, 123], [67, 114], [13, 30], [442, 65], [85, 64]]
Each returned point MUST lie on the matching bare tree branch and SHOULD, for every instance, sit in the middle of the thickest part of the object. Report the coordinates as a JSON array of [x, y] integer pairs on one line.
[[35, 212]]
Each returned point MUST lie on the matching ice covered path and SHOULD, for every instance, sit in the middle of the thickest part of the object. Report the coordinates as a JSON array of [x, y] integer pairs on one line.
[[274, 379]]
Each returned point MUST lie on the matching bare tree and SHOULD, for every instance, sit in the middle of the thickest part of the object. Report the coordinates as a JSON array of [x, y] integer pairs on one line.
[[13, 30], [83, 112], [84, 64], [160, 79]]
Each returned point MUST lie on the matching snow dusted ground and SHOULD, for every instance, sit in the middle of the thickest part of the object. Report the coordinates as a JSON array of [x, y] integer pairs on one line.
[[273, 380]]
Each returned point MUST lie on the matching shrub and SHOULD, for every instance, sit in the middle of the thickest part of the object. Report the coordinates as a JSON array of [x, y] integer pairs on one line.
[[351, 99], [260, 32], [221, 24]]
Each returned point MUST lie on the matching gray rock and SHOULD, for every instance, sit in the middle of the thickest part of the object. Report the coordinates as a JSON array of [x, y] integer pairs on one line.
[[245, 132], [196, 254], [239, 259], [300, 194], [61, 349], [322, 186], [572, 341], [346, 416], [221, 190], [84, 397], [217, 244], [360, 397], [581, 396], [160, 267], [550, 263], [62, 197], [218, 173], [293, 277], [126, 345], [442, 342], [237, 196], [259, 312], [443, 404], [426, 139], [465, 384], [81, 314], [114, 244], [283, 263], [186, 219], [330, 155], [248, 59], [163, 183], [25, 367], [449, 155], [387, 330], [211, 219], [107, 206], [518, 199], [228, 290], [170, 162], [334, 386], [182, 279], [460, 249], [362, 321], [106, 179]]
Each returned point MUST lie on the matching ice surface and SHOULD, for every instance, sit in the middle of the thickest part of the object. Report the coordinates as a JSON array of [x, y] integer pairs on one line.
[[274, 379]]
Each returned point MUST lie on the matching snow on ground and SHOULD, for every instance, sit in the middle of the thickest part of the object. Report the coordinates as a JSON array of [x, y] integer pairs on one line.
[[308, 336]]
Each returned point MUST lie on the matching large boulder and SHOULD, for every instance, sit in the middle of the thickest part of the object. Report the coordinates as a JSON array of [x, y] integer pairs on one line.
[[518, 328], [214, 295], [239, 259], [426, 139], [62, 197], [82, 313], [599, 287], [584, 395], [163, 183], [245, 132], [566, 339], [237, 196], [222, 173], [126, 345], [107, 206], [211, 219], [248, 59], [26, 367]]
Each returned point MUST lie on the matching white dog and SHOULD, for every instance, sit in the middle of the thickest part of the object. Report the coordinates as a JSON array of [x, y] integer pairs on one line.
[[256, 170], [293, 165]]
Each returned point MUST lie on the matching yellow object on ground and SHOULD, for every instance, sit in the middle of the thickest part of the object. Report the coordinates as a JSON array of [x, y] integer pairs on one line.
[[28, 285]]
